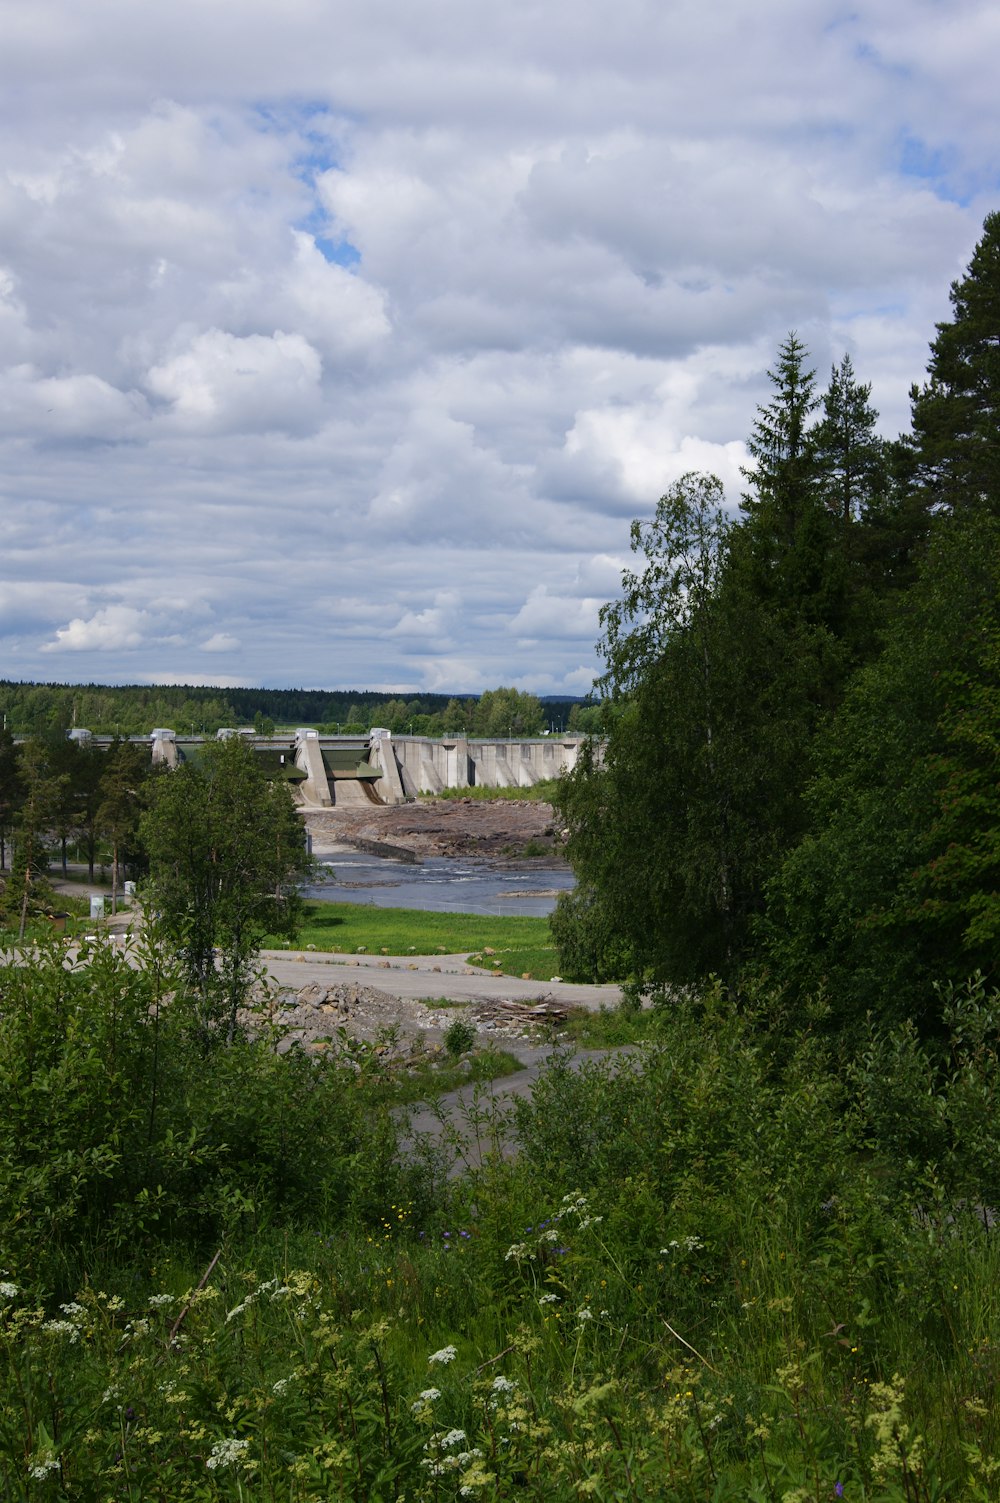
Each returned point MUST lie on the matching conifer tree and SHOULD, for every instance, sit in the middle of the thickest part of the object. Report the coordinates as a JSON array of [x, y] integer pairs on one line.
[[850, 457], [956, 413]]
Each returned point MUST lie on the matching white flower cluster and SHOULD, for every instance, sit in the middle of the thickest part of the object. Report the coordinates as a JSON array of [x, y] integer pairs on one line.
[[548, 1299], [41, 1469], [62, 1328], [683, 1244], [8, 1290], [584, 1315], [518, 1251], [227, 1453], [252, 1297], [445, 1355], [437, 1464], [578, 1205], [282, 1386], [160, 1301], [427, 1397], [70, 1327], [503, 1385]]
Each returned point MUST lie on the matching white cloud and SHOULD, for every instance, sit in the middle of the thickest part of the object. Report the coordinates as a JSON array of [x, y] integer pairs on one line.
[[366, 390], [553, 616], [220, 641], [224, 382], [112, 628]]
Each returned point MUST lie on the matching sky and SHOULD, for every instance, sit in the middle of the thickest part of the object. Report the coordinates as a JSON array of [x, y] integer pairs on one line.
[[341, 340]]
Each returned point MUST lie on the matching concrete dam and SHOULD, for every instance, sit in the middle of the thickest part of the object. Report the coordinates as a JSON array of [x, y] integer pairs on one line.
[[379, 768]]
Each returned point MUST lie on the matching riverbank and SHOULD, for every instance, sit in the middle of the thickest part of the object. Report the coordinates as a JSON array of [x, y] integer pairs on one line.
[[501, 830]]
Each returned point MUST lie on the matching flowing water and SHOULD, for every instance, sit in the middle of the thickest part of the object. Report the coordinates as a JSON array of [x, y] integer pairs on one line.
[[445, 884]]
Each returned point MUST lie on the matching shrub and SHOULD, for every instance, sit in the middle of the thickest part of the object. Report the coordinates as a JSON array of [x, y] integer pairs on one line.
[[459, 1036]]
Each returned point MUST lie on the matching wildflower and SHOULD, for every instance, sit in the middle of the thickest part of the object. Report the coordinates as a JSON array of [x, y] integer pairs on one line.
[[227, 1453], [684, 1244], [445, 1355], [517, 1251], [427, 1397], [281, 1386], [503, 1385], [584, 1315], [160, 1301], [62, 1328], [838, 1488], [41, 1469], [7, 1290], [548, 1299], [453, 1438]]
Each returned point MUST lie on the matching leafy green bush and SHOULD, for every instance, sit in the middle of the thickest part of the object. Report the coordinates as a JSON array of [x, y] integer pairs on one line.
[[121, 1125], [459, 1036]]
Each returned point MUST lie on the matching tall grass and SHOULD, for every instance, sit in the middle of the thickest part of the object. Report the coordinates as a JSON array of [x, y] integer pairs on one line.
[[732, 1264]]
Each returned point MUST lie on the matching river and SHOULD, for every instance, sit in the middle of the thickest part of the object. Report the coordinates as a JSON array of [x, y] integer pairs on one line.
[[444, 884]]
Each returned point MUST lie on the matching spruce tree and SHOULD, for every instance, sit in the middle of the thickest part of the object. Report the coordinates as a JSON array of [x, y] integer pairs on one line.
[[849, 455], [956, 417]]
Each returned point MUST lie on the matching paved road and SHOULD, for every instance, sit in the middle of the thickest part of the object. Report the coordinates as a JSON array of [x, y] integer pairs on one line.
[[422, 977]]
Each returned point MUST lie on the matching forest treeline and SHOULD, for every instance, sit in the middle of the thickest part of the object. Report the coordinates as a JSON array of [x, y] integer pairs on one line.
[[803, 703], [29, 709]]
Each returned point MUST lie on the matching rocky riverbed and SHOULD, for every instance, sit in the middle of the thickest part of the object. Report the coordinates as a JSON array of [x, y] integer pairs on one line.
[[498, 830]]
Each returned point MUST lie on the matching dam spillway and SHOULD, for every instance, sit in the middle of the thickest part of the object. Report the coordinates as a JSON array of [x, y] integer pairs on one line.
[[378, 767]]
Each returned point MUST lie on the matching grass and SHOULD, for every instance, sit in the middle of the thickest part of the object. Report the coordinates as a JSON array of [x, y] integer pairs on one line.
[[520, 943], [542, 792], [702, 1276], [73, 918], [613, 1027], [422, 1082]]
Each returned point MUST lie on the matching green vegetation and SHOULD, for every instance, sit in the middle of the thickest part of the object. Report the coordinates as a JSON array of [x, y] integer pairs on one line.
[[226, 855], [613, 1027], [392, 1077], [459, 1036], [351, 928], [754, 1257], [732, 1264], [541, 792], [801, 705], [49, 710]]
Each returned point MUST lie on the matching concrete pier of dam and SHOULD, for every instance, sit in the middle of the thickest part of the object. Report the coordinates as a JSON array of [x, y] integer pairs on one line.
[[380, 768]]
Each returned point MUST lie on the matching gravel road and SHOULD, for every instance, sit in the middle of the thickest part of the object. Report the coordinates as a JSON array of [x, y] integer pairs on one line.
[[418, 978]]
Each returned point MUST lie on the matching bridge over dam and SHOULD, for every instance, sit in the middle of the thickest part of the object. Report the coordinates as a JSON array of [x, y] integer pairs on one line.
[[329, 771]]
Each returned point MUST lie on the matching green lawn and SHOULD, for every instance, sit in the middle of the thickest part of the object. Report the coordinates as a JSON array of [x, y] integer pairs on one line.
[[520, 944]]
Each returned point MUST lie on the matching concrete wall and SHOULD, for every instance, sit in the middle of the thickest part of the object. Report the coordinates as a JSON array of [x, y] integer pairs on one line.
[[427, 766], [409, 765]]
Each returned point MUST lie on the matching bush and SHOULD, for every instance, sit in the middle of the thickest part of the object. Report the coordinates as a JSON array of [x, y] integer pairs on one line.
[[121, 1125], [459, 1036]]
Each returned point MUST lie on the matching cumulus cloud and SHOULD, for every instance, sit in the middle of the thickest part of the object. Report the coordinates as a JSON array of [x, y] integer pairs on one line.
[[344, 348], [112, 628], [545, 616], [222, 381]]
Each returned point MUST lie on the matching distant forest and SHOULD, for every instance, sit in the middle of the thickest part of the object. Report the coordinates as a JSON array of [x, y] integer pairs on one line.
[[28, 709]]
